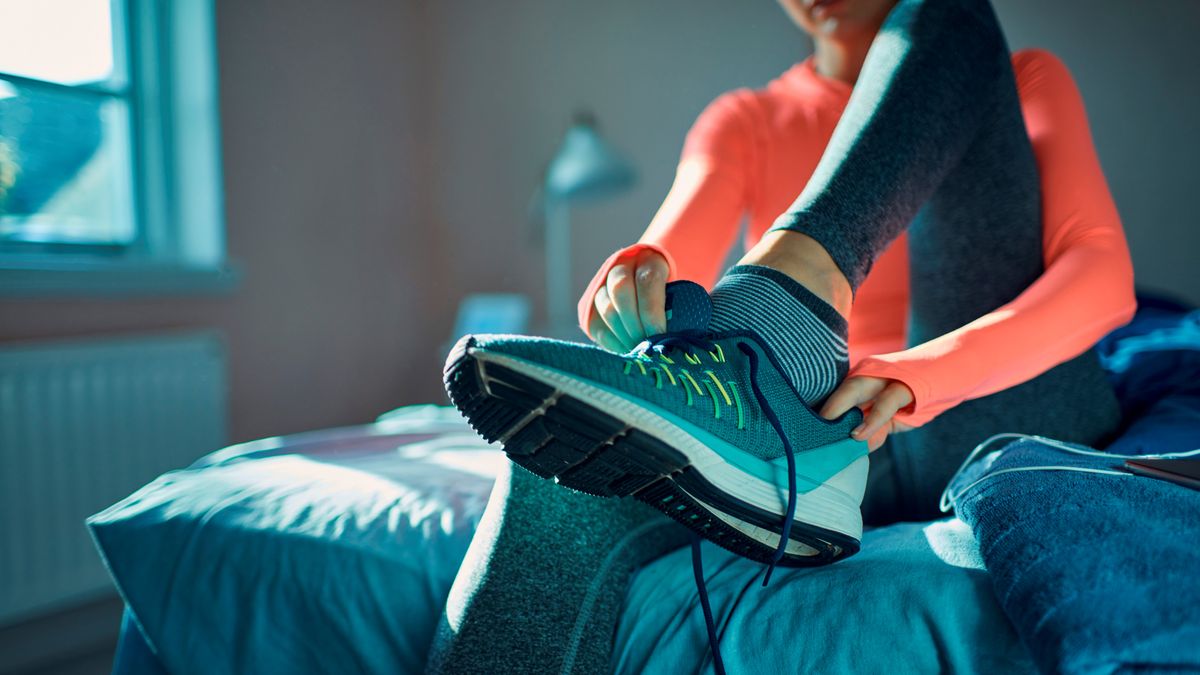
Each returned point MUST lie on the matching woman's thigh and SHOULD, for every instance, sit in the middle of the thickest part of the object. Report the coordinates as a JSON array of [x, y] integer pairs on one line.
[[1072, 402]]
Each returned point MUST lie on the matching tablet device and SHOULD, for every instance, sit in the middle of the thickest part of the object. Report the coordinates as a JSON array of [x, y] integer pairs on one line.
[[1184, 471]]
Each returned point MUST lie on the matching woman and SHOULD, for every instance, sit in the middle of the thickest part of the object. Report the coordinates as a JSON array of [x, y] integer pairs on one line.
[[749, 147], [954, 231]]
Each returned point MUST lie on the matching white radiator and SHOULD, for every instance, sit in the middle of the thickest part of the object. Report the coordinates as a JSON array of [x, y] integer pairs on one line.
[[82, 425]]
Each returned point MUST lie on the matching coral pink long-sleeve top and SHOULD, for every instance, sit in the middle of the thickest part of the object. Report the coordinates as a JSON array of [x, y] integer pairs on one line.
[[750, 153]]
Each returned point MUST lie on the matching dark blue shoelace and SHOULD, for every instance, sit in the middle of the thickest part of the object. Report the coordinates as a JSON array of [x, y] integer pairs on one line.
[[714, 641], [698, 339]]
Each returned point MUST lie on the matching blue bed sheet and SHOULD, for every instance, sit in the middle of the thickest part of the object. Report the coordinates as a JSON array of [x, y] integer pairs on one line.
[[327, 552], [335, 552], [916, 599]]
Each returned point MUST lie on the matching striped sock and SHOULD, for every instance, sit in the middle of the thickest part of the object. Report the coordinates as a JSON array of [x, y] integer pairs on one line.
[[806, 334]]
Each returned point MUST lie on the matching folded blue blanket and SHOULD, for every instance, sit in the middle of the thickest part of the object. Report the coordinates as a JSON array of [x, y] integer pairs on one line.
[[1100, 573]]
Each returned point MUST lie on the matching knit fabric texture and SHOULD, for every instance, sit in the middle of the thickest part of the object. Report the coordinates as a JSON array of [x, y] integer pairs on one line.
[[690, 393], [807, 336], [1097, 572], [542, 584]]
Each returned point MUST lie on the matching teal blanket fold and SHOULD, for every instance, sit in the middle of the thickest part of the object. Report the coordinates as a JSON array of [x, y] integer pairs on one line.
[[1098, 572]]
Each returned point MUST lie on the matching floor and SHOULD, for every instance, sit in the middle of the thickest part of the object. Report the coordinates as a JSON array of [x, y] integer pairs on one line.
[[77, 641]]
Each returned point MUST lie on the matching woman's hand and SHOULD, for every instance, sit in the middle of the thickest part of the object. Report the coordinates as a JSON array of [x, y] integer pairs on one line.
[[631, 305], [880, 400]]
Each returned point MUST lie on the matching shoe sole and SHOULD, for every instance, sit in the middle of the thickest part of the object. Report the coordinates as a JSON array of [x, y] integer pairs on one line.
[[562, 437]]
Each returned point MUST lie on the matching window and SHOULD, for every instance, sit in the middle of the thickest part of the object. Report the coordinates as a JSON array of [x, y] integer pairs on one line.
[[109, 152]]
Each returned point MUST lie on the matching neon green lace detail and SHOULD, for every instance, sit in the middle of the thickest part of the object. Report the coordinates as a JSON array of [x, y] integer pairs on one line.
[[688, 376], [670, 377], [716, 404], [737, 400], [717, 382], [716, 389]]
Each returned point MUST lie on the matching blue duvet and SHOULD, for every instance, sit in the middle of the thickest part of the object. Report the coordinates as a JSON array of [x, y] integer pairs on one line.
[[334, 552]]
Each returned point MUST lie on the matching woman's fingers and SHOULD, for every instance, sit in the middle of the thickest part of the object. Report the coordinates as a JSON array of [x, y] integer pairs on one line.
[[622, 289], [853, 391], [631, 304], [650, 278], [607, 311], [602, 335], [894, 396], [880, 399], [876, 441]]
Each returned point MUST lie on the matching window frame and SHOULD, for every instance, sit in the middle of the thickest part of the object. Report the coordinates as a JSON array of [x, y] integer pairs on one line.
[[179, 242]]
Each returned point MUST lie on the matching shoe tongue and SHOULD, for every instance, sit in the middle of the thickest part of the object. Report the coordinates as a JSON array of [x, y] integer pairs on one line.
[[688, 307]]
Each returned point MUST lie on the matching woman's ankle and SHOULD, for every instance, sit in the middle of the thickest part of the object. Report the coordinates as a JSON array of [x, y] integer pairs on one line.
[[802, 258]]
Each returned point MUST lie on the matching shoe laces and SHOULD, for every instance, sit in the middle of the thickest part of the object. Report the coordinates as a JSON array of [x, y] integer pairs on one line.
[[700, 340], [689, 343]]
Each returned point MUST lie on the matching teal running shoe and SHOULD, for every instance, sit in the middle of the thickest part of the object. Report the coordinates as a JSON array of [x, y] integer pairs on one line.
[[702, 426]]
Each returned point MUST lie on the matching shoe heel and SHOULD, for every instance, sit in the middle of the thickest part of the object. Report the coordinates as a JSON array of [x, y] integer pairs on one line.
[[492, 417], [553, 435]]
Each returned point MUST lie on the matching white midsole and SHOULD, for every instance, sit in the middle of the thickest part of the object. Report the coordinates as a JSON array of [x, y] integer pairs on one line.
[[833, 504]]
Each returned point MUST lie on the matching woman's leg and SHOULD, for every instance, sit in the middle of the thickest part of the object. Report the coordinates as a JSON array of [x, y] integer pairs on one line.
[[542, 585], [933, 141]]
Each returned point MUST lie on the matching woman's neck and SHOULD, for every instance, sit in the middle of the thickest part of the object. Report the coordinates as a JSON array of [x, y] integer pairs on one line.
[[840, 60]]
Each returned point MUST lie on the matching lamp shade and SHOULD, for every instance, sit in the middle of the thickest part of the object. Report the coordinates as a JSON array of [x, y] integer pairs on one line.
[[586, 166]]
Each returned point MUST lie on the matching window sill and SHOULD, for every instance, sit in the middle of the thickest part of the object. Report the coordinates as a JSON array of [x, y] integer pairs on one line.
[[114, 279]]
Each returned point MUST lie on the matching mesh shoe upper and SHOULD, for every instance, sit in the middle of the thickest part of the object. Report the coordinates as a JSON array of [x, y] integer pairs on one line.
[[660, 385]]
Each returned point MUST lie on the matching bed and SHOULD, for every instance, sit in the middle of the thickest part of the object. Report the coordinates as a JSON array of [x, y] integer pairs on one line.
[[333, 551]]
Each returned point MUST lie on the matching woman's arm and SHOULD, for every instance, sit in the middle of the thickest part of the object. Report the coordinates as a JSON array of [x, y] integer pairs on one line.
[[698, 221], [1085, 291]]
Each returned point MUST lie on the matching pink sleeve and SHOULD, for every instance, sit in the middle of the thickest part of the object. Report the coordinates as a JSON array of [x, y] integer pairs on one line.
[[698, 221], [1085, 291]]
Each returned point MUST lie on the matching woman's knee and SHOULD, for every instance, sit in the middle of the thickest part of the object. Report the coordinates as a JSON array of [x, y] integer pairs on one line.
[[960, 35]]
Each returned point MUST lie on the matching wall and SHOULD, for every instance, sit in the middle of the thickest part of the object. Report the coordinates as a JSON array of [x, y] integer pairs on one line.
[[507, 76], [1136, 65], [320, 106]]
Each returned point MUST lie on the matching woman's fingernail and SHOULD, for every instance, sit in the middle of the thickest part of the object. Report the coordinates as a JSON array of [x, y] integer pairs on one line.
[[858, 431]]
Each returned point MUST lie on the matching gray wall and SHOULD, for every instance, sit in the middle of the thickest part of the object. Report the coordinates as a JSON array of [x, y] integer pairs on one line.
[[333, 322], [509, 74], [379, 158], [1138, 66], [507, 77]]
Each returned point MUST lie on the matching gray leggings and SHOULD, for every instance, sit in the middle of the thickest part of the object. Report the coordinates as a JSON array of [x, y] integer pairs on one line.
[[933, 141]]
